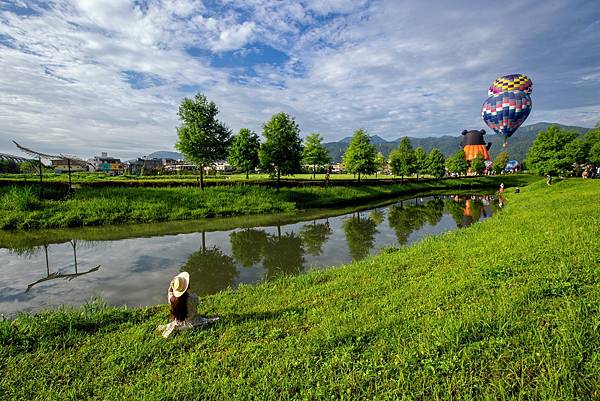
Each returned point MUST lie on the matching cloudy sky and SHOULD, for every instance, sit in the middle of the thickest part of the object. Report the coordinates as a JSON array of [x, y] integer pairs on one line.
[[87, 76]]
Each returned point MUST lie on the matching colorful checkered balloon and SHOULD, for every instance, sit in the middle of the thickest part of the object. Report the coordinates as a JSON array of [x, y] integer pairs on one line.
[[506, 111], [509, 83]]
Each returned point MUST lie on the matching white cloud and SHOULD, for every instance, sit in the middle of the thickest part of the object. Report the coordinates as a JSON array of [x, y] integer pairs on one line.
[[412, 68]]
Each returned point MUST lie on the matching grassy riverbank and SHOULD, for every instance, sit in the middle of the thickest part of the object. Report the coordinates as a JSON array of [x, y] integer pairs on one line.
[[20, 207], [505, 309]]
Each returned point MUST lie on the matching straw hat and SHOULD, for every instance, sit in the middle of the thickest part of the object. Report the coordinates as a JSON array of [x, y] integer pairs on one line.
[[180, 283]]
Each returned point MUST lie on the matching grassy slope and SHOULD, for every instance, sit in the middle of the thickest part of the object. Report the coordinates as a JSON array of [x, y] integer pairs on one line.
[[98, 206], [506, 309]]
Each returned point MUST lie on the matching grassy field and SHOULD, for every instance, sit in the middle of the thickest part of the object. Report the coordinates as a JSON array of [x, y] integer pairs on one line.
[[505, 309], [88, 177], [20, 207]]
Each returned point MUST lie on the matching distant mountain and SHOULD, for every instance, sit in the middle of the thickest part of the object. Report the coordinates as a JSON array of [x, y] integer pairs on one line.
[[165, 154], [517, 148]]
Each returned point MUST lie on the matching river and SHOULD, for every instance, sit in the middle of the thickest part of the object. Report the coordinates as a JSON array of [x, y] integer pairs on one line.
[[136, 271]]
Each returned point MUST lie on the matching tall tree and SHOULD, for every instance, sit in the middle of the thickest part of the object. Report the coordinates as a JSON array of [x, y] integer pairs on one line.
[[436, 163], [478, 164], [202, 138], [360, 155], [549, 153], [591, 138], [420, 161], [402, 160], [314, 152], [457, 163], [282, 151], [594, 154], [500, 162], [243, 153], [379, 163]]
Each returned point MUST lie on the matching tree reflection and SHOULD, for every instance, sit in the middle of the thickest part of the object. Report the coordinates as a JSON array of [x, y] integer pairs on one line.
[[406, 219], [435, 211], [247, 246], [210, 270], [283, 254], [360, 235], [314, 236]]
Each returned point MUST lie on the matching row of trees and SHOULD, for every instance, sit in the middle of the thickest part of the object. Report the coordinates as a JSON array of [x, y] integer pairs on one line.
[[558, 151], [203, 140]]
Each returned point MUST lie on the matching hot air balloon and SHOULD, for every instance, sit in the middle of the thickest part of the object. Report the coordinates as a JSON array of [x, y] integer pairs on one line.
[[509, 83], [506, 111], [473, 144]]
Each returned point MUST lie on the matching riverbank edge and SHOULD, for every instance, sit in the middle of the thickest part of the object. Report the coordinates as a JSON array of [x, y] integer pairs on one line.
[[68, 214], [446, 318]]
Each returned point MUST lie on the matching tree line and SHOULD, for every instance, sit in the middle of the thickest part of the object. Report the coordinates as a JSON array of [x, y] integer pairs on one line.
[[203, 140]]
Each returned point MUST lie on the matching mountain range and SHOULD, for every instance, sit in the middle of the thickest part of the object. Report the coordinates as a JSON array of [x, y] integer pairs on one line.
[[517, 148]]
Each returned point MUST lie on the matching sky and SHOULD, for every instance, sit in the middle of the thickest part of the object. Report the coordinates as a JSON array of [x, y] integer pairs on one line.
[[82, 77]]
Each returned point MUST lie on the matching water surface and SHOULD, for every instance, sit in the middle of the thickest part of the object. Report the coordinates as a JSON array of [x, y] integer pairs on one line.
[[136, 271]]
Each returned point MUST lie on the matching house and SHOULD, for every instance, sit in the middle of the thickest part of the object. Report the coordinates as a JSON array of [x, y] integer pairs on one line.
[[109, 165], [62, 166]]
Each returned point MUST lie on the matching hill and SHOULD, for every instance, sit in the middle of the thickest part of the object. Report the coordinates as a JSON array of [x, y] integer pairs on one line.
[[518, 144], [164, 154]]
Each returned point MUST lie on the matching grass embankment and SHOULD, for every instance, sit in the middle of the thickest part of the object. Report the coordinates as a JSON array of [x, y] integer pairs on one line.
[[20, 207], [505, 309]]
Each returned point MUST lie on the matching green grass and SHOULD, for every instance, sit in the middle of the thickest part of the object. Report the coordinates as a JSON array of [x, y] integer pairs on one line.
[[505, 309], [19, 209]]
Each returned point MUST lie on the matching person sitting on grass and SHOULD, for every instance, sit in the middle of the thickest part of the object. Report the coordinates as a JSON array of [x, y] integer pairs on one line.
[[183, 307]]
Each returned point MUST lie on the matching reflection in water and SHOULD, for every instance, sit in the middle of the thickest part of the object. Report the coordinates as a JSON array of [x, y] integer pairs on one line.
[[283, 254], [56, 274], [220, 259], [314, 236], [210, 270], [247, 246], [360, 235], [468, 209]]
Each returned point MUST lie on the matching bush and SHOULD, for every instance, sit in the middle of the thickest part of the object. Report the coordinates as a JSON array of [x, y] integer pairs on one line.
[[20, 199]]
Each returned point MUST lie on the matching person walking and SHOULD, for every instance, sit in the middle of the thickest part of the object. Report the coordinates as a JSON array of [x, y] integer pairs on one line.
[[548, 180]]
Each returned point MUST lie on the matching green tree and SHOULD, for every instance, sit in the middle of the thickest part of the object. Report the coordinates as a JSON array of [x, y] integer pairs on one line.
[[457, 163], [9, 166], [379, 163], [420, 161], [549, 153], [591, 138], [478, 164], [202, 138], [314, 152], [360, 155], [243, 153], [594, 154], [282, 151], [500, 162], [436, 163], [402, 160]]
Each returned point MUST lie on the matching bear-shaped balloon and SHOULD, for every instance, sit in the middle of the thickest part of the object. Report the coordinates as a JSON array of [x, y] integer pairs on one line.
[[473, 144]]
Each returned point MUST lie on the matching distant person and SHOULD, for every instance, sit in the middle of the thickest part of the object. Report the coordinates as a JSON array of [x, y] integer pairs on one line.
[[183, 306], [501, 187], [548, 180]]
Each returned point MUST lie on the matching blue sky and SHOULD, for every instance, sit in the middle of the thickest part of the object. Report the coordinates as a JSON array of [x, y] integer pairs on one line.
[[87, 76]]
